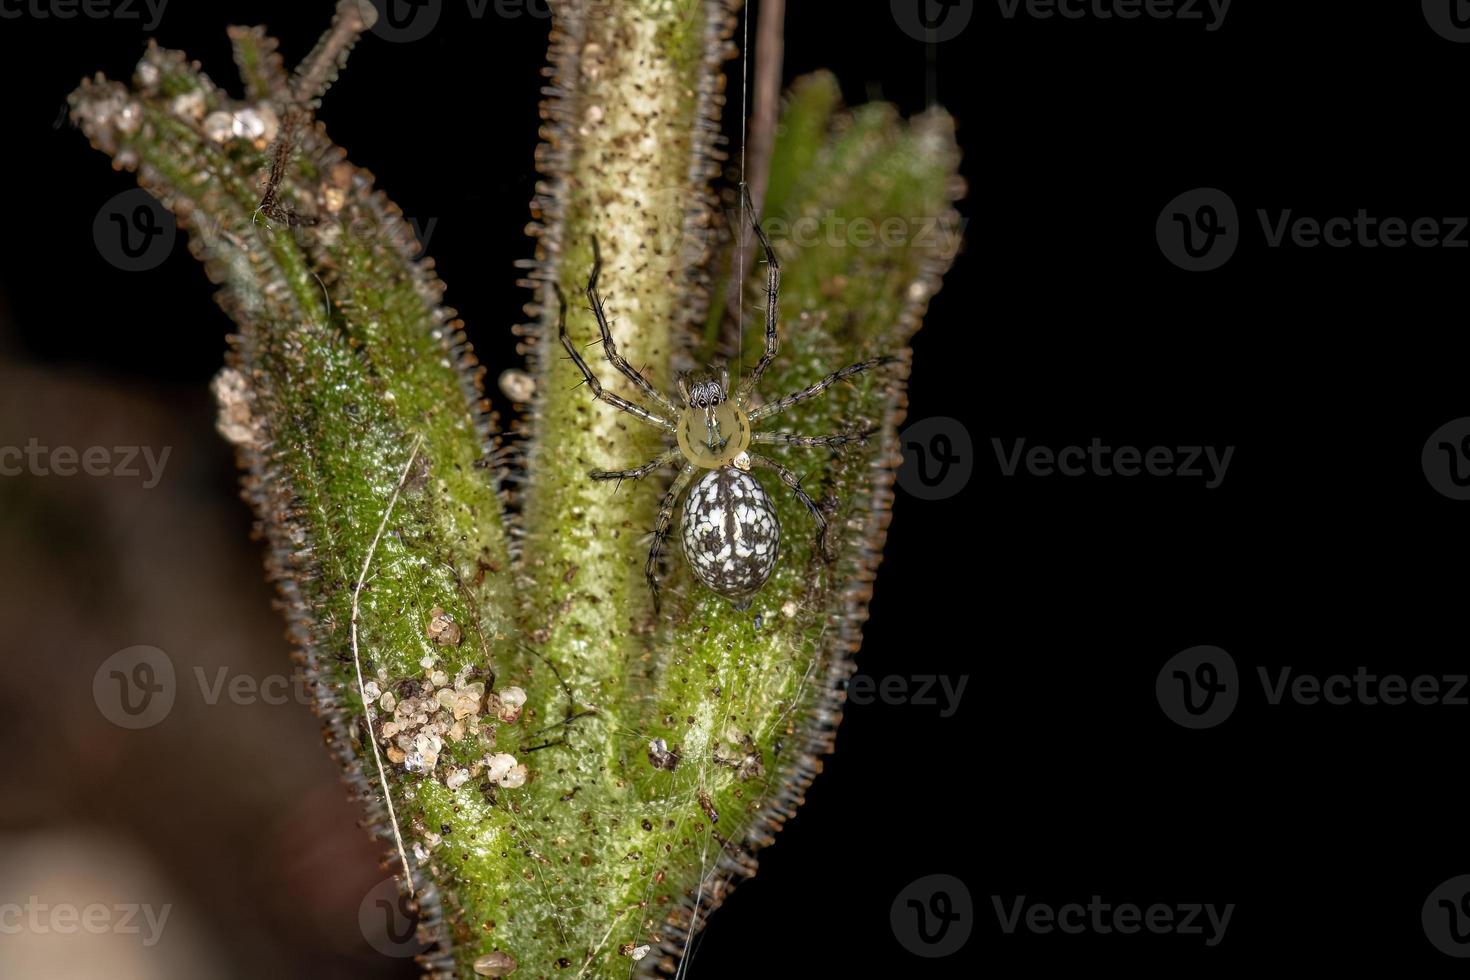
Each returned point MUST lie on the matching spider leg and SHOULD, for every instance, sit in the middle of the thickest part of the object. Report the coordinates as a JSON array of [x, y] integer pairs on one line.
[[640, 472], [609, 347], [285, 146], [622, 404], [811, 391], [661, 529], [790, 479], [773, 294], [308, 84], [792, 439]]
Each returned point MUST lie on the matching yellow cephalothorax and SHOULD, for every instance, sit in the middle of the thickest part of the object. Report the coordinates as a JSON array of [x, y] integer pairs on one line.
[[713, 436]]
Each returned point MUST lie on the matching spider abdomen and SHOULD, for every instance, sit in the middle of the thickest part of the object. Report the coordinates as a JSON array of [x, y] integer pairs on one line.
[[730, 532]]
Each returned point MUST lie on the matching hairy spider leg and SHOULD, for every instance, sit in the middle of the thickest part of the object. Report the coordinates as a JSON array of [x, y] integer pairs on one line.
[[790, 479], [773, 294], [661, 529], [609, 347], [639, 472], [637, 411], [813, 390], [807, 442], [307, 87]]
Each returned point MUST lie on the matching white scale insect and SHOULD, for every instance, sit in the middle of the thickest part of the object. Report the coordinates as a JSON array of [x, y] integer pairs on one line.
[[730, 530]]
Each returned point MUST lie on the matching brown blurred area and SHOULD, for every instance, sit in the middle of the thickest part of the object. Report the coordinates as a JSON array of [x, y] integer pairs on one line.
[[218, 841]]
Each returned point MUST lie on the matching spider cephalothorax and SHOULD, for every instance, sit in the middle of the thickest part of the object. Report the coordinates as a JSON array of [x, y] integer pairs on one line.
[[730, 531]]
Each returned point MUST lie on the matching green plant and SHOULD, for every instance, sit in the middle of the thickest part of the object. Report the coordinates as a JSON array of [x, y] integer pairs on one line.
[[569, 777]]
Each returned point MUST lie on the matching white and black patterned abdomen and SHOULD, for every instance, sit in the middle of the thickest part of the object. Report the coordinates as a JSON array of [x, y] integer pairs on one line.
[[730, 532]]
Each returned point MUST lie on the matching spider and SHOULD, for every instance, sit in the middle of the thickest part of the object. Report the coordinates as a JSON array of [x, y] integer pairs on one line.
[[730, 530]]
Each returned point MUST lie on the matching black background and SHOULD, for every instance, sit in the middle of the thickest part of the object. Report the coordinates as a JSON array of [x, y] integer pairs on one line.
[[1325, 548]]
